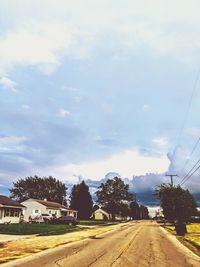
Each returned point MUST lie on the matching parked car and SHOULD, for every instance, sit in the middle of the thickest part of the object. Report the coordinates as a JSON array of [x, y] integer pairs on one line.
[[70, 220], [195, 219], [41, 218]]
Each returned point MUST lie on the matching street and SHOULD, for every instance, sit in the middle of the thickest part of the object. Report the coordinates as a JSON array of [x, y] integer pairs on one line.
[[138, 244]]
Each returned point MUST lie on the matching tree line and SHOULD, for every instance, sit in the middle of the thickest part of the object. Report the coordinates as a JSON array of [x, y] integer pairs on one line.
[[113, 196]]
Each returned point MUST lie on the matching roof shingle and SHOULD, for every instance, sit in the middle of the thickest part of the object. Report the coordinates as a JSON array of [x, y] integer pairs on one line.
[[6, 201]]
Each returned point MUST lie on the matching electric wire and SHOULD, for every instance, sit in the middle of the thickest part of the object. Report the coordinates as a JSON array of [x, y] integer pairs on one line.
[[190, 175], [187, 111], [190, 155]]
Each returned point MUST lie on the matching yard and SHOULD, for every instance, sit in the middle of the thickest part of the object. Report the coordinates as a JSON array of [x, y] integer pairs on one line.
[[48, 229], [39, 229], [193, 234], [96, 223], [42, 237]]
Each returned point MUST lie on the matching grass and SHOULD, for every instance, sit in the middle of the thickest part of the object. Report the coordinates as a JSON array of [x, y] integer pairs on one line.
[[192, 236], [48, 229], [96, 223], [194, 240], [40, 229], [191, 228]]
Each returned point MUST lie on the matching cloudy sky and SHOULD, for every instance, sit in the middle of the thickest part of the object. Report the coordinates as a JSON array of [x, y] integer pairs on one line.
[[91, 87]]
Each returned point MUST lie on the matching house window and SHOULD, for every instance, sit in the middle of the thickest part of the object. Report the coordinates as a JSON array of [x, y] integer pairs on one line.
[[55, 212], [49, 211], [16, 213], [6, 213], [11, 213], [36, 211]]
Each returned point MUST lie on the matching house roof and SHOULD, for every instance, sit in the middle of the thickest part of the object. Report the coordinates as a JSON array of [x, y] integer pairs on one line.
[[8, 202], [49, 204]]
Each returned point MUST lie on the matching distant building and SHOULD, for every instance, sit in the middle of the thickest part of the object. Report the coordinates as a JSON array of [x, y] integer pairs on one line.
[[10, 210], [37, 207], [101, 214]]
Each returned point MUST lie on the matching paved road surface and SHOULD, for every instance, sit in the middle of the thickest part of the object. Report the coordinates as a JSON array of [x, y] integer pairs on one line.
[[142, 244]]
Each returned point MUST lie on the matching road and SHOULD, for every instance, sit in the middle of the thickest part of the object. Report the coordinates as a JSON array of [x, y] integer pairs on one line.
[[138, 244]]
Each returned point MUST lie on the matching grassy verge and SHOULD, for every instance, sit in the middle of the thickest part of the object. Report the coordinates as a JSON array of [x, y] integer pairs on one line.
[[191, 239], [48, 229], [20, 248], [40, 229], [96, 223]]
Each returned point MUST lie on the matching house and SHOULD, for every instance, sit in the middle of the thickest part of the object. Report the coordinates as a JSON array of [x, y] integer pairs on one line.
[[101, 214], [37, 207], [10, 210]]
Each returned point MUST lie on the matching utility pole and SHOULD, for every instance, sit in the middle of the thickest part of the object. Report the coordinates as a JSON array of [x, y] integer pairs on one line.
[[171, 176]]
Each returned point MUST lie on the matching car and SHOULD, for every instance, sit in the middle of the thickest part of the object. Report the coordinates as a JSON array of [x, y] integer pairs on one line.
[[41, 218], [47, 218], [70, 220]]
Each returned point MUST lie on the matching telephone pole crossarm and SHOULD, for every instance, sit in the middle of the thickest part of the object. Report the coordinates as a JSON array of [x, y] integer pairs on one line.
[[171, 176]]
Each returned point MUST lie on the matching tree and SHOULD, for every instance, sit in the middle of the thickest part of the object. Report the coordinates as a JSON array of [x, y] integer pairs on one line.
[[114, 196], [40, 188], [81, 200], [144, 213], [177, 203], [134, 210]]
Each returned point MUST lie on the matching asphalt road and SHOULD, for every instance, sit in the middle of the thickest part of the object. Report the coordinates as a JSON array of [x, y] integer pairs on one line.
[[139, 244]]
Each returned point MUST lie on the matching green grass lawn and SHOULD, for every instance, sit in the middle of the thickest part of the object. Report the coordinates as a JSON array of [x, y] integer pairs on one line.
[[96, 222], [40, 229], [192, 236], [48, 229], [191, 228]]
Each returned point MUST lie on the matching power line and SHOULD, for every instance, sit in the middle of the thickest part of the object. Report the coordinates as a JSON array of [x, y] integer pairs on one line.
[[187, 110], [188, 174], [191, 175], [190, 155]]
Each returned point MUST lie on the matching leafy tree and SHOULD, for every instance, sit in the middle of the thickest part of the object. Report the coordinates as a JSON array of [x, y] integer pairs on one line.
[[144, 213], [177, 203], [114, 196], [81, 200], [40, 188], [134, 210]]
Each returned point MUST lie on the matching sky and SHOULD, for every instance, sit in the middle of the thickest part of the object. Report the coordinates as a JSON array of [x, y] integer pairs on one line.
[[93, 87]]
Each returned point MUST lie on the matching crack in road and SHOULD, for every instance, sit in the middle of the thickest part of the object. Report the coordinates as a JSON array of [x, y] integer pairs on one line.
[[126, 248], [69, 255], [97, 259]]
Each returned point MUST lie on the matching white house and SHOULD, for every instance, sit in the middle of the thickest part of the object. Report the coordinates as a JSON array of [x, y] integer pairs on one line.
[[36, 207], [10, 210]]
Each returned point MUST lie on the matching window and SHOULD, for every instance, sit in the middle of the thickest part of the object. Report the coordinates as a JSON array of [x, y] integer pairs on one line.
[[16, 213], [36, 211], [6, 213], [11, 213]]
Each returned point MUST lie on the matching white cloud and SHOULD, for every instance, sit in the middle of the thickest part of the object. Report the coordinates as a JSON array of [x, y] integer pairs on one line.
[[6, 83], [160, 141], [194, 132], [127, 164], [25, 106], [69, 88], [7, 140], [146, 107], [34, 44], [63, 113], [72, 28]]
